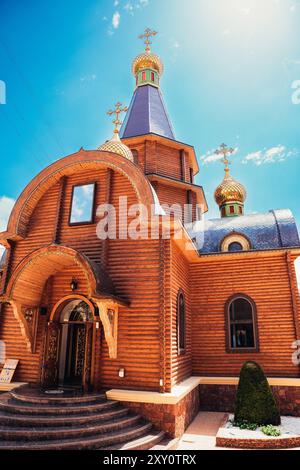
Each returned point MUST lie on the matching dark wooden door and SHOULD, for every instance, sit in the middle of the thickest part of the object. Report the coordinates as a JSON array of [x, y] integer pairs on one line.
[[50, 363], [87, 369]]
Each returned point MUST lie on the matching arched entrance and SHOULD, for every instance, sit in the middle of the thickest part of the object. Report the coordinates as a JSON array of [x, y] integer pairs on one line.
[[69, 344]]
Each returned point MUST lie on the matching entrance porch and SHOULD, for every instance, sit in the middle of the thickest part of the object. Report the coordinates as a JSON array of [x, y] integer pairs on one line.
[[65, 305]]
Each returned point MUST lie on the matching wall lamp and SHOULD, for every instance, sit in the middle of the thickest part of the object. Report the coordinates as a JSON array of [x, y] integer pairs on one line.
[[73, 285]]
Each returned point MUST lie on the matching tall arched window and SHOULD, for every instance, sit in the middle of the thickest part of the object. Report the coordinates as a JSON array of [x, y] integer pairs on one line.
[[181, 322], [241, 324]]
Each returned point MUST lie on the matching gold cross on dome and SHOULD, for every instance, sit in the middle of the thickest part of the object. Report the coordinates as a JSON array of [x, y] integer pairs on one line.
[[147, 34], [225, 151], [117, 112]]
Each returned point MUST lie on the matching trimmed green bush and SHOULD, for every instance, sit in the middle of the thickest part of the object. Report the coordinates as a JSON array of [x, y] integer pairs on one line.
[[270, 430], [245, 425], [254, 401]]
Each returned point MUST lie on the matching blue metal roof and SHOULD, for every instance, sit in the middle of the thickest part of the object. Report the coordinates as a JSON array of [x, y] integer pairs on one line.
[[271, 230], [147, 114]]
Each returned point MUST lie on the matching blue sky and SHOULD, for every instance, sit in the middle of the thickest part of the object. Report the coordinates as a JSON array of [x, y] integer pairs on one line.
[[229, 70]]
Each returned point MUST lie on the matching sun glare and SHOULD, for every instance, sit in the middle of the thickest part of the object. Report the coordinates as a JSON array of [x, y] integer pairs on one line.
[[243, 18]]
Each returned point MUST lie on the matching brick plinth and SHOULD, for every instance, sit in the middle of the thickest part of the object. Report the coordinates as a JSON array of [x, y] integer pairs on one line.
[[172, 418], [222, 398], [275, 443]]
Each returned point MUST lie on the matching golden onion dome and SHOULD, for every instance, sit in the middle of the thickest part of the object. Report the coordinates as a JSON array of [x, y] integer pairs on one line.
[[147, 60], [115, 145], [230, 190]]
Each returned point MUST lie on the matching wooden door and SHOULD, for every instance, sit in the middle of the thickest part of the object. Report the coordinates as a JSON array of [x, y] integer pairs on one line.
[[87, 369], [50, 362]]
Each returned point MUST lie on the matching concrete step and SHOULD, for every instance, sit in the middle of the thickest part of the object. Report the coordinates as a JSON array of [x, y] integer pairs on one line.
[[37, 399], [80, 443], [147, 441], [27, 420], [13, 406], [51, 433], [31, 421], [167, 443]]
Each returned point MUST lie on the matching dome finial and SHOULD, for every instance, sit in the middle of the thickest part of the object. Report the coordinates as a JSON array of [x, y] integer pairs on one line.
[[117, 112], [225, 151], [147, 67], [147, 34], [230, 195], [115, 145]]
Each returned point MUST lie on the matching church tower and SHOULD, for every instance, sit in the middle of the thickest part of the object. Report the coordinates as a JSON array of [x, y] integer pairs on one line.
[[170, 165], [147, 113], [230, 195]]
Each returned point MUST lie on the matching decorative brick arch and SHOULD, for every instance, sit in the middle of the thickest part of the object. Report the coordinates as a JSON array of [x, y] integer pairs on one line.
[[86, 159], [235, 237]]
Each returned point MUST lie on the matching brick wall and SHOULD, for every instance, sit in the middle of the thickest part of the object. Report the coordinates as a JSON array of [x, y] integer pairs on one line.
[[174, 419], [222, 398]]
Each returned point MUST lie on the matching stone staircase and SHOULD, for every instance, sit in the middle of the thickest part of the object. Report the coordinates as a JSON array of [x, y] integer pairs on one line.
[[33, 421]]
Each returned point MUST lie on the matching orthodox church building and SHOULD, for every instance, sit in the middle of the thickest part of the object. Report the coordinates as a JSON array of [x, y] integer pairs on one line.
[[162, 324]]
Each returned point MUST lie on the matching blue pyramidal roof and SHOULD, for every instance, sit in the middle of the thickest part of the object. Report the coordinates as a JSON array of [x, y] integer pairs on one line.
[[147, 114]]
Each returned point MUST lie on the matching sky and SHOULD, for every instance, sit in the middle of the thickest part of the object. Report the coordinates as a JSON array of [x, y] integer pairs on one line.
[[232, 74]]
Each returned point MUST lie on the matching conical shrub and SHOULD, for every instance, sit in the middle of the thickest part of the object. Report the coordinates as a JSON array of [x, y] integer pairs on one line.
[[255, 402]]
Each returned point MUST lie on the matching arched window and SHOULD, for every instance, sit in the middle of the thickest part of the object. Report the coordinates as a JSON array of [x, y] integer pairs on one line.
[[235, 241], [181, 322], [241, 324], [235, 246], [76, 310]]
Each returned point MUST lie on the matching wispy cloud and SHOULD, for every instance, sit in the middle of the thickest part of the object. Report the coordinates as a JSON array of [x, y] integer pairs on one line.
[[272, 155], [6, 205], [287, 61], [211, 156], [88, 78], [129, 6], [116, 20]]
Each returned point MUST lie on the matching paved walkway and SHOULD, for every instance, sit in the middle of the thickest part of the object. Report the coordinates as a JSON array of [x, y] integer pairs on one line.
[[201, 433]]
